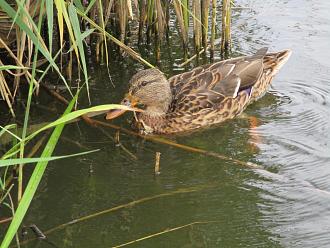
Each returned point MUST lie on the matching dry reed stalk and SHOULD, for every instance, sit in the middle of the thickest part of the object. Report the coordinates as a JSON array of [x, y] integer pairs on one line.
[[26, 73], [226, 23], [7, 32], [160, 25], [180, 18], [121, 9], [142, 18], [104, 39], [5, 220], [74, 142], [167, 17], [167, 230], [213, 29], [115, 139], [123, 206], [205, 21], [217, 41], [164, 141], [37, 146], [129, 9], [5, 92], [108, 11], [161, 21], [69, 66], [21, 45], [196, 55], [197, 24], [157, 163], [150, 18], [100, 39]]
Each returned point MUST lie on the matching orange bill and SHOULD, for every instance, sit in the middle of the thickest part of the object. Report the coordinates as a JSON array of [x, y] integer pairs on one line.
[[112, 114], [128, 101]]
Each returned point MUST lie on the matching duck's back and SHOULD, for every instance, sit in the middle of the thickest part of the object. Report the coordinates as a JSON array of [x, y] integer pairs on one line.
[[215, 92]]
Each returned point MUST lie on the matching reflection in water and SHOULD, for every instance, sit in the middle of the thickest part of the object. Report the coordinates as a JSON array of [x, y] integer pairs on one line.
[[255, 138], [287, 130], [297, 142]]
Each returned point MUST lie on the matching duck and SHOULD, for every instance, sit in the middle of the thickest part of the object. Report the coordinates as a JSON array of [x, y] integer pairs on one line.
[[206, 95]]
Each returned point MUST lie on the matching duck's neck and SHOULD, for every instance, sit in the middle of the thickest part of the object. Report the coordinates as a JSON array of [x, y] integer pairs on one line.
[[153, 119]]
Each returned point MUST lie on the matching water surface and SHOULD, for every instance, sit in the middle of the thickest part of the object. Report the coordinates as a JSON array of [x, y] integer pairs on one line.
[[287, 132]]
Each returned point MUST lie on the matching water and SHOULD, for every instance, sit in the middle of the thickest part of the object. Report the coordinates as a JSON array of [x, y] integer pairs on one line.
[[287, 132]]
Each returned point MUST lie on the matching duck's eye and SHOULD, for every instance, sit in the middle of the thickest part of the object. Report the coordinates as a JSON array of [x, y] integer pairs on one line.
[[144, 83]]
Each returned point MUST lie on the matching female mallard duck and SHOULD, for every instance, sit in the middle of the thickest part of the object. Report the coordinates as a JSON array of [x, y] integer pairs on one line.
[[206, 95]]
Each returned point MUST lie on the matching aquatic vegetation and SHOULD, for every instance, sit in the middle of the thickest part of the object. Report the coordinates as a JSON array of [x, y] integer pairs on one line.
[[42, 36]]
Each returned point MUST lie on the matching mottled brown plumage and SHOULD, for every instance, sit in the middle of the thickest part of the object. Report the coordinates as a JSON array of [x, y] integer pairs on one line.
[[206, 95]]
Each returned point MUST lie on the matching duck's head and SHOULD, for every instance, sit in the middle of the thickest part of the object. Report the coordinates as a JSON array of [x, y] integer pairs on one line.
[[149, 90]]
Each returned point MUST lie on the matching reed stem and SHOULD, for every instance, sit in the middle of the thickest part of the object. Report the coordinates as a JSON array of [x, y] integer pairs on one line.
[[226, 27], [197, 24], [213, 29], [205, 21]]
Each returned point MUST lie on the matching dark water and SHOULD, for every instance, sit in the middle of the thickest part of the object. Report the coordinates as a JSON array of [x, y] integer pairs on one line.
[[287, 132]]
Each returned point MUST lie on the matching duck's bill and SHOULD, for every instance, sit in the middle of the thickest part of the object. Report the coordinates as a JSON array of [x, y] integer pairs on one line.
[[112, 114], [129, 102]]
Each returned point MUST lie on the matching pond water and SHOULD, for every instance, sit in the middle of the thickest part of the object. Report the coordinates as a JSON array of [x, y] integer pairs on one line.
[[287, 132]]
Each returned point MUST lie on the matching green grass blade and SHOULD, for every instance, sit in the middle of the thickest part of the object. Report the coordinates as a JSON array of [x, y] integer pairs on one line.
[[50, 20], [34, 182], [15, 161], [85, 34], [77, 32], [104, 36], [69, 28], [185, 13], [73, 115], [5, 129], [29, 100], [90, 5], [78, 4], [64, 119]]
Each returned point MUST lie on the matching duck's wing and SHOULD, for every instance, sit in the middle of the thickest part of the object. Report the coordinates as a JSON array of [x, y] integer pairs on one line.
[[195, 95], [179, 80], [247, 70], [207, 86]]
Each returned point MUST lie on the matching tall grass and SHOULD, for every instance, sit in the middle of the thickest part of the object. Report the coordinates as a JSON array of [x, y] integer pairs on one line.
[[32, 46]]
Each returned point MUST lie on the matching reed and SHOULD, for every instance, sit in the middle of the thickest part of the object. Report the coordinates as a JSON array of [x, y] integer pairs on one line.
[[213, 28], [185, 12], [157, 163], [226, 26], [182, 24], [197, 24], [205, 5], [142, 19]]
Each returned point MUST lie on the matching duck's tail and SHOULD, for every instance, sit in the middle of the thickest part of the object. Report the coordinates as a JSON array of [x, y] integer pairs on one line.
[[274, 61]]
